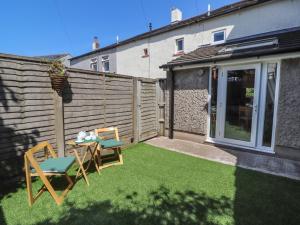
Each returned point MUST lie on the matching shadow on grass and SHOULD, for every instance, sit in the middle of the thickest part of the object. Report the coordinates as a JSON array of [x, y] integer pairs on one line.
[[160, 207], [263, 199]]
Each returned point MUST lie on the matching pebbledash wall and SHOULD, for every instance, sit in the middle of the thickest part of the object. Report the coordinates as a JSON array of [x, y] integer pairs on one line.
[[191, 109], [288, 113], [31, 112], [190, 100]]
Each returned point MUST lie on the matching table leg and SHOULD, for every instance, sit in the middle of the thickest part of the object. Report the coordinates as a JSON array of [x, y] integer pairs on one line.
[[93, 158], [80, 168], [83, 159]]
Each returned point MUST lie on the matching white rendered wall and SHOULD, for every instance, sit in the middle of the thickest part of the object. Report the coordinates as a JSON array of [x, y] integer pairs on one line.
[[276, 15], [84, 62], [264, 18]]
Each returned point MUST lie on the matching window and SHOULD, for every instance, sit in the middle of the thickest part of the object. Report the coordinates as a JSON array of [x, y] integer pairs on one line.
[[179, 45], [94, 64], [146, 52], [105, 64], [218, 37], [269, 104]]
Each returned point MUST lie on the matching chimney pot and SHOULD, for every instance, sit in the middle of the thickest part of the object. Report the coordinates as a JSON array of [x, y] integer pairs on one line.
[[176, 15], [95, 44], [150, 26]]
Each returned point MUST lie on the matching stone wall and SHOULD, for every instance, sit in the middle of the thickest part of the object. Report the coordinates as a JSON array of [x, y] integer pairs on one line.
[[190, 100], [288, 118]]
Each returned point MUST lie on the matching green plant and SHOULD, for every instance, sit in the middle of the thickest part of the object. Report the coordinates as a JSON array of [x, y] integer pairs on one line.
[[57, 69], [156, 186]]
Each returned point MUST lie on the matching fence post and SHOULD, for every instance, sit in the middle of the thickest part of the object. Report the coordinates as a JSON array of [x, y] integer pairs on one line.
[[161, 107], [59, 123], [136, 108]]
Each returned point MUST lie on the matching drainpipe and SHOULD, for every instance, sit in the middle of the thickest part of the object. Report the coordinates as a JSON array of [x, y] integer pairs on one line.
[[171, 104]]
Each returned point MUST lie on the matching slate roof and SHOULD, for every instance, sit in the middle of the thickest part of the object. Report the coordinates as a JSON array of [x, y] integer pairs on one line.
[[52, 57], [228, 9], [282, 41]]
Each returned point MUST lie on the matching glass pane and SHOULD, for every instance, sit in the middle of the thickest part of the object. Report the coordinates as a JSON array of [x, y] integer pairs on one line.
[[219, 36], [213, 103], [180, 45], [269, 106], [106, 66], [94, 66], [239, 104]]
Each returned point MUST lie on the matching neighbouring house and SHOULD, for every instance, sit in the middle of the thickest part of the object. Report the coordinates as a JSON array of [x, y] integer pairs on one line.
[[244, 93], [64, 58], [143, 54]]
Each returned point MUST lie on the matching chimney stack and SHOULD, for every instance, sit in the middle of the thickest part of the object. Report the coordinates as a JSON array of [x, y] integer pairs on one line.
[[95, 44], [208, 10], [176, 15]]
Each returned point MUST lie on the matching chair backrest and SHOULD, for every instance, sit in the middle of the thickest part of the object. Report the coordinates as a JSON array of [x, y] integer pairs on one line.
[[45, 145], [102, 131], [30, 159]]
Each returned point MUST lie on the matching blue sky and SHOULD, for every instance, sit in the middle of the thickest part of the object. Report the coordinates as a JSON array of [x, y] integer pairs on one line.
[[40, 27]]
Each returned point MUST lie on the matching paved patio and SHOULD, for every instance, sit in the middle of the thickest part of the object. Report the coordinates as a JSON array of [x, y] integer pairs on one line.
[[266, 163]]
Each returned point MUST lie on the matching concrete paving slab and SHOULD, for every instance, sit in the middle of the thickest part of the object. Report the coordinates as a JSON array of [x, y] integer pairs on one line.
[[266, 163]]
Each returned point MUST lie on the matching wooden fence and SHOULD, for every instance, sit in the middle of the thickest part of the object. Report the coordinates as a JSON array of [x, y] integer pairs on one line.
[[147, 107], [30, 111]]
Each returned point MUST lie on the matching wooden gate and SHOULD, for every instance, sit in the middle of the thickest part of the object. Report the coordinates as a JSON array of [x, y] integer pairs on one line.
[[147, 108]]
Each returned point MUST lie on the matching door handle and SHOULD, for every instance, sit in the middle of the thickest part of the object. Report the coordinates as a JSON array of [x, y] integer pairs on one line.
[[255, 108]]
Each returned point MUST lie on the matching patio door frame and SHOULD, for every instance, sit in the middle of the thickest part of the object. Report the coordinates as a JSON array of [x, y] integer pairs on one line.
[[263, 95], [262, 100], [222, 100]]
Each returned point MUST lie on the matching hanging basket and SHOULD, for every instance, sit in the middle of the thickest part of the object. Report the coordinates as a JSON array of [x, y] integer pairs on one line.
[[58, 75], [58, 82]]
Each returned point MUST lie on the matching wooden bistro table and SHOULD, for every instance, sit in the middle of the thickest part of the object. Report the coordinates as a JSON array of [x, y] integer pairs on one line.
[[90, 147]]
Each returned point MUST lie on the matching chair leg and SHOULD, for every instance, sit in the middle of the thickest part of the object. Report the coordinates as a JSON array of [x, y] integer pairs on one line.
[[120, 156], [100, 162], [62, 196], [51, 190], [28, 182]]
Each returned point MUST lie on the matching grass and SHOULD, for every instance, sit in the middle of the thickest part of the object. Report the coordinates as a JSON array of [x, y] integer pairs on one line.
[[156, 186]]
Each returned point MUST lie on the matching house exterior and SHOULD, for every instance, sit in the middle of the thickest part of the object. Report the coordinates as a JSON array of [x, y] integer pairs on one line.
[[64, 58], [143, 54], [243, 93]]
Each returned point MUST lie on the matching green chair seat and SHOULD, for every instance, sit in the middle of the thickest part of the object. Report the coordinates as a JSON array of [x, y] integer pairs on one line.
[[110, 143], [56, 165]]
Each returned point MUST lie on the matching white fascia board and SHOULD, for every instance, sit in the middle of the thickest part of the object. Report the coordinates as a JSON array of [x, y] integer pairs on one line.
[[241, 61]]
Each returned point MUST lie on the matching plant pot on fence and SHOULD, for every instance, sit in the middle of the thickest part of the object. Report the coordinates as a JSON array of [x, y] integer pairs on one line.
[[58, 82]]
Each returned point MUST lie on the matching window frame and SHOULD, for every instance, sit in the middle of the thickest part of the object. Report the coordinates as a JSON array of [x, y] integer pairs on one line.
[[213, 37], [176, 45], [105, 59], [94, 61], [145, 53]]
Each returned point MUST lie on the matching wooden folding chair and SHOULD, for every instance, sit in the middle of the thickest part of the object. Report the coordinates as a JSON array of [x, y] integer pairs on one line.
[[52, 166], [108, 143]]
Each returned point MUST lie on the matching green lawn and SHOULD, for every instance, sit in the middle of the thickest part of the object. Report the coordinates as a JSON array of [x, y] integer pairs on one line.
[[155, 186]]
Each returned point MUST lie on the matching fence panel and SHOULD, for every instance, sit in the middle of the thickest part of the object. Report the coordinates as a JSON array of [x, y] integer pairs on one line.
[[26, 111], [147, 109], [31, 112], [83, 103]]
